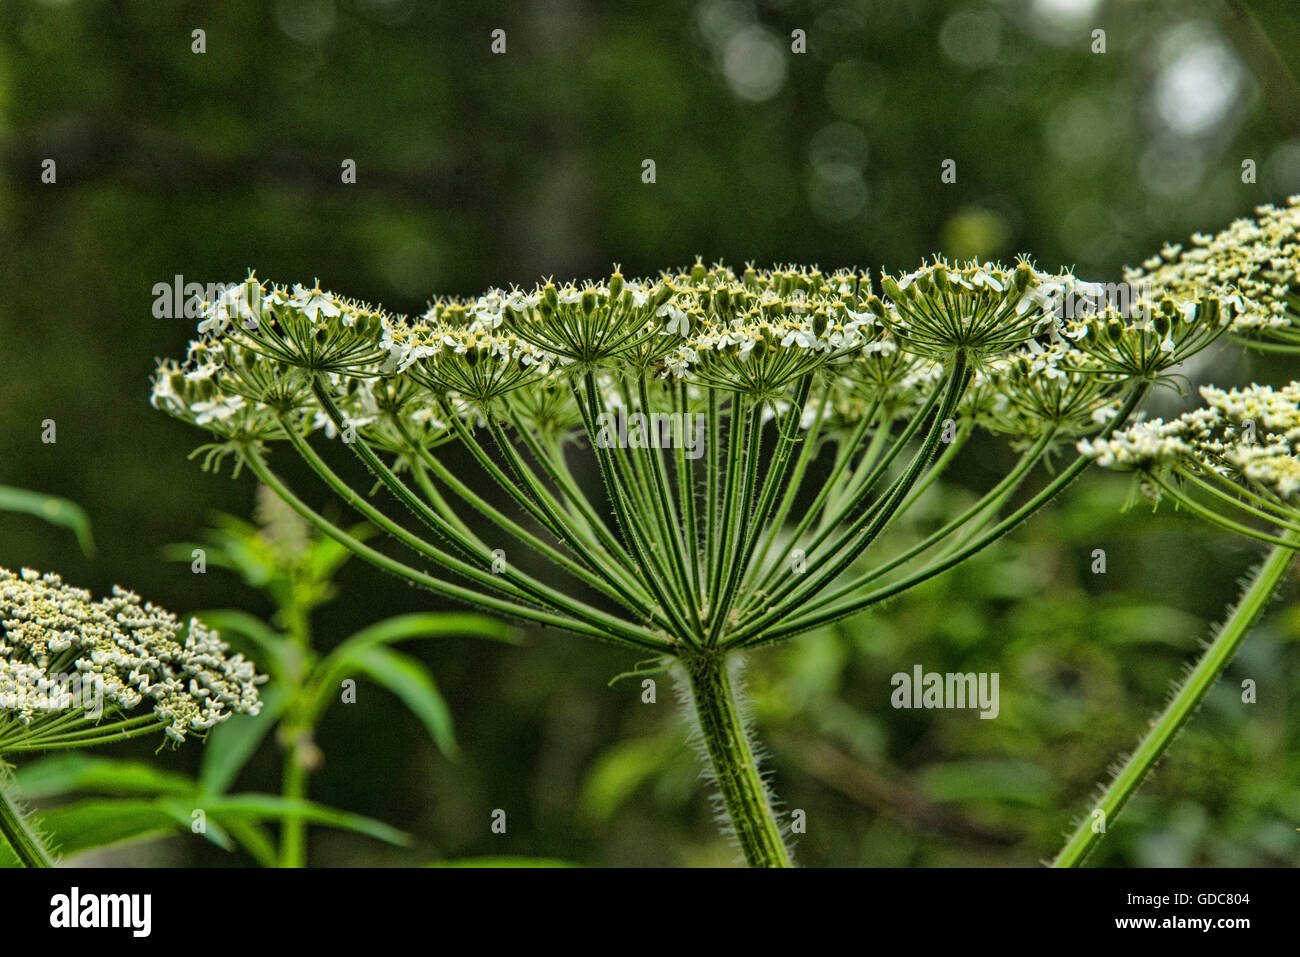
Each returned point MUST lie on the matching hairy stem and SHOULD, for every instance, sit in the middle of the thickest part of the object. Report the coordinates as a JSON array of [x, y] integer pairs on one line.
[[743, 791], [18, 834], [1184, 704]]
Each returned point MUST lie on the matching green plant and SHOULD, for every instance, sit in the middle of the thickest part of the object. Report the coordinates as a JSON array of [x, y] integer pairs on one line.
[[282, 556], [74, 673], [1234, 462], [783, 366]]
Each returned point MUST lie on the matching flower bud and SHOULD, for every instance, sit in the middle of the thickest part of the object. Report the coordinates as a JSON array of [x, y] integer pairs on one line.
[[890, 287], [615, 285]]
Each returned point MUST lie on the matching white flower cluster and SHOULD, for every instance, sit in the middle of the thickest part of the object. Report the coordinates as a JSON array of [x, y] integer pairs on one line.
[[1253, 265], [1144, 445], [1249, 435], [130, 651], [267, 352]]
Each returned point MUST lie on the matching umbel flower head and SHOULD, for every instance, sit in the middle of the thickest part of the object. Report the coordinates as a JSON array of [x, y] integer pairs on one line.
[[745, 368], [1253, 266], [754, 434], [1234, 461], [73, 670]]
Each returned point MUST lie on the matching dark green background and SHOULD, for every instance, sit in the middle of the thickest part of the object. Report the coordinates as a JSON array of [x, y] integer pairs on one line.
[[477, 170]]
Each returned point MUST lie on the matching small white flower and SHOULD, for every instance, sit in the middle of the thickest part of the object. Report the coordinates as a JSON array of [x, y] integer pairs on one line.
[[314, 303]]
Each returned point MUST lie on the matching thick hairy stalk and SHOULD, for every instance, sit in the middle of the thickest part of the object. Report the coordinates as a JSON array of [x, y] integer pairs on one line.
[[1183, 705], [743, 790], [18, 834]]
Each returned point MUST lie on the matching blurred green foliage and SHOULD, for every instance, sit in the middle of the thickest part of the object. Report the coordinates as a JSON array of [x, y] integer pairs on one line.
[[476, 170]]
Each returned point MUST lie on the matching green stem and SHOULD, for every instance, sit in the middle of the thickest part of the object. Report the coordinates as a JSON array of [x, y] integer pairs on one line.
[[18, 834], [744, 792], [293, 832], [1184, 704]]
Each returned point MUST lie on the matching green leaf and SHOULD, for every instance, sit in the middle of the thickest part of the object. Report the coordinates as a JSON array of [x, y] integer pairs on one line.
[[57, 511], [620, 771], [390, 630], [103, 822], [261, 807], [67, 773], [212, 830], [232, 743], [410, 681], [254, 839], [430, 625]]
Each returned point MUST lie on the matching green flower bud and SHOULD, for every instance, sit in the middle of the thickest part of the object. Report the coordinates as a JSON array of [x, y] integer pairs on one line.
[[819, 321], [551, 296], [940, 275], [615, 285], [1115, 330], [588, 302], [890, 286]]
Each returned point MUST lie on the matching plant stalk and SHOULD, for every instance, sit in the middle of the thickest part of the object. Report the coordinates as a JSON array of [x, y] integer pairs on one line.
[[744, 792], [1183, 705], [18, 834]]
